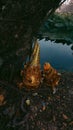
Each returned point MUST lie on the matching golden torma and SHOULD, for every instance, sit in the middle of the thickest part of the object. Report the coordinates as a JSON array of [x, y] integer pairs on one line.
[[32, 76], [32, 72], [51, 76]]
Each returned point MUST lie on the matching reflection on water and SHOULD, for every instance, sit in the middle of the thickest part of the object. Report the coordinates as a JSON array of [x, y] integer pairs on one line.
[[59, 55]]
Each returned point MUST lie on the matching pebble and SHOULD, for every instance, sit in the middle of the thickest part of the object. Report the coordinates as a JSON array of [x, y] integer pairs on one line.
[[27, 102], [43, 106], [35, 94]]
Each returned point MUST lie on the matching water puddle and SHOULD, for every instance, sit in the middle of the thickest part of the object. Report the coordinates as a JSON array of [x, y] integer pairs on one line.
[[58, 55]]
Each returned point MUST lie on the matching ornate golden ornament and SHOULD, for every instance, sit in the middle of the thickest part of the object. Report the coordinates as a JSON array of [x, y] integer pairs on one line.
[[32, 76], [32, 73]]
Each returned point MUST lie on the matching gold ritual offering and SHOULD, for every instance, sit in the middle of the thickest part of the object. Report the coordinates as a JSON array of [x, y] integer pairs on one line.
[[32, 75], [51, 76], [32, 71]]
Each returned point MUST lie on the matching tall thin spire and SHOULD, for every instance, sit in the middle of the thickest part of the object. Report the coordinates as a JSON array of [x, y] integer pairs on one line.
[[35, 57]]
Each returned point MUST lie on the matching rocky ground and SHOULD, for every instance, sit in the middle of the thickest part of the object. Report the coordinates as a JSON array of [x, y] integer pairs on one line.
[[38, 109]]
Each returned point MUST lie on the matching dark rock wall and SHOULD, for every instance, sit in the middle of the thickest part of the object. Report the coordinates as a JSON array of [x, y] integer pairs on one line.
[[20, 20]]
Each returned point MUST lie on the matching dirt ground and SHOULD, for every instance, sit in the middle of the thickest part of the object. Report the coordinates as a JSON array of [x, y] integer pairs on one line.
[[38, 109]]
